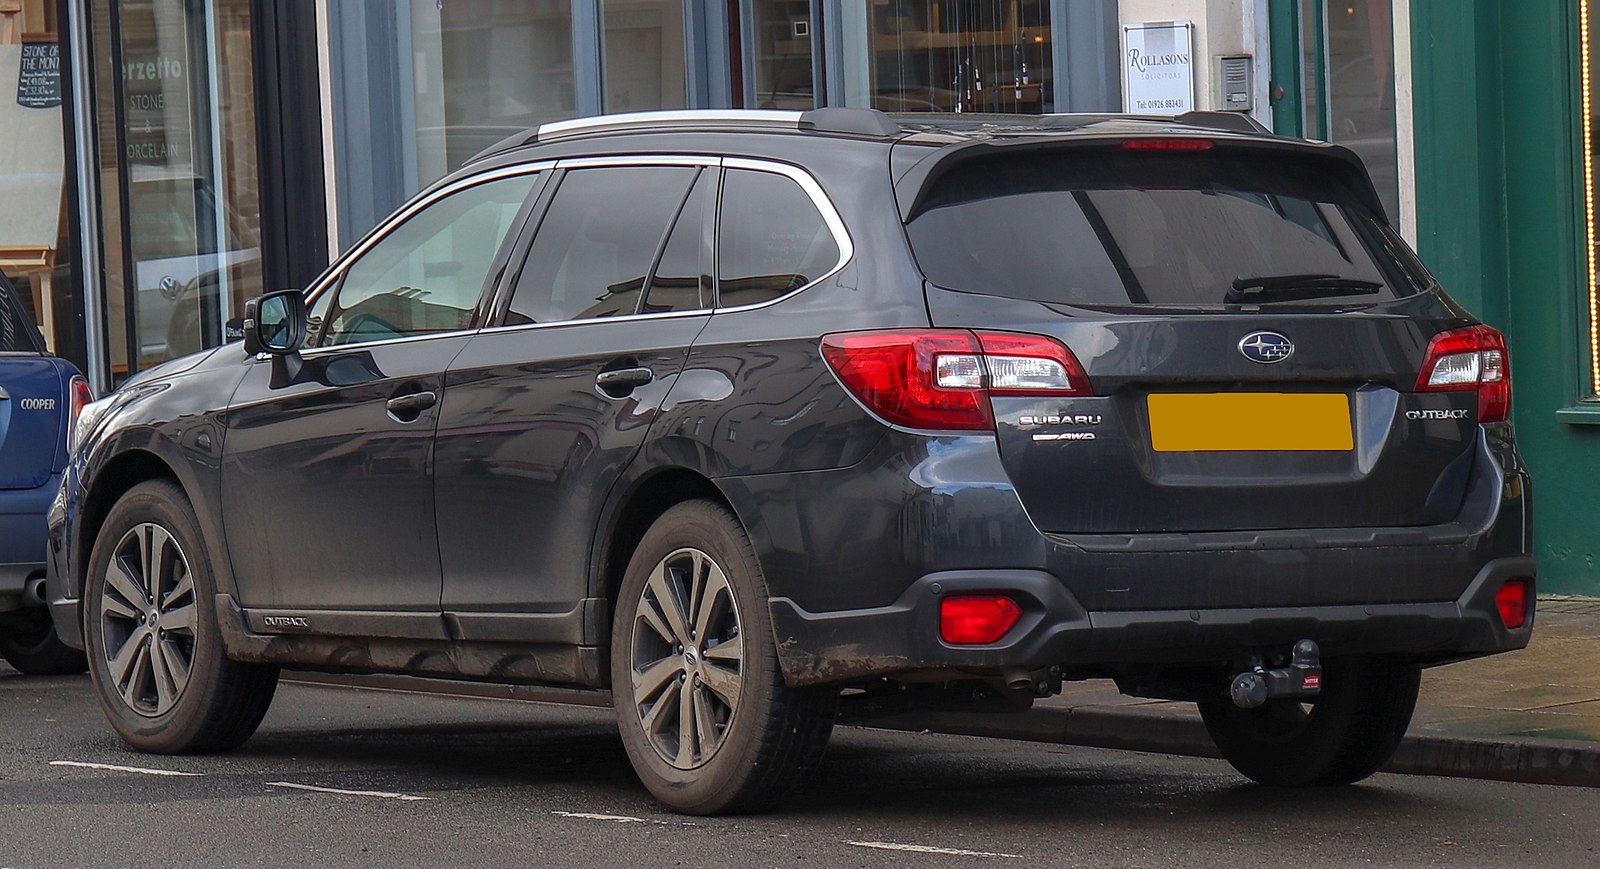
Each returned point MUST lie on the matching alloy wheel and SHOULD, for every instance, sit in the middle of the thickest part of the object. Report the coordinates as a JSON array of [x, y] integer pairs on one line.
[[148, 619], [687, 658]]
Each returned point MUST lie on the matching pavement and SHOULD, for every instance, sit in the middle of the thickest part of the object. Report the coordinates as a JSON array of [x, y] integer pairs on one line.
[[1530, 716]]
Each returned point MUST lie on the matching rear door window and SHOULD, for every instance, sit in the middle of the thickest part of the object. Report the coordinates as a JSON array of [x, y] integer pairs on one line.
[[1155, 229], [771, 241], [16, 330], [680, 281], [597, 242]]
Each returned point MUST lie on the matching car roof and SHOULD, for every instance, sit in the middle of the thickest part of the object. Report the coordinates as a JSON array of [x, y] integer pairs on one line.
[[871, 124], [949, 137]]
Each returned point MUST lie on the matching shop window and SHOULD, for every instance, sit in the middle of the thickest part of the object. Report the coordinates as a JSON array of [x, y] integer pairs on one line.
[[597, 242], [644, 55], [1346, 56], [421, 87], [957, 56], [773, 240], [484, 70], [783, 61], [176, 124], [34, 209], [427, 275]]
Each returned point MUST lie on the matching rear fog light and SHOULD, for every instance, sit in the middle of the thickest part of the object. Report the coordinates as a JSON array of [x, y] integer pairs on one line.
[[977, 620], [1512, 599]]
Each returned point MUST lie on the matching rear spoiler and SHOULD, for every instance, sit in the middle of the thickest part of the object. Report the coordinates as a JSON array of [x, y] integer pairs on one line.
[[913, 185]]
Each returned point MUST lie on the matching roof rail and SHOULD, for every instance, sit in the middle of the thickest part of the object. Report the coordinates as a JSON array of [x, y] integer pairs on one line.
[[851, 121], [1238, 122], [845, 121], [693, 119]]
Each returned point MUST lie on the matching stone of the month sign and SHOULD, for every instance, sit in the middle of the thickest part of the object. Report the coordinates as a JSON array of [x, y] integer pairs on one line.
[[39, 79]]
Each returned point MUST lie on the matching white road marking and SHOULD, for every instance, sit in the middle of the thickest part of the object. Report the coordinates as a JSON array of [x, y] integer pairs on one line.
[[622, 819], [928, 849], [595, 816], [111, 767], [348, 793]]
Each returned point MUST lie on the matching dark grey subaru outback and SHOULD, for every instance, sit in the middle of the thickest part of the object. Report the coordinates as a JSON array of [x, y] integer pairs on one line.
[[752, 419]]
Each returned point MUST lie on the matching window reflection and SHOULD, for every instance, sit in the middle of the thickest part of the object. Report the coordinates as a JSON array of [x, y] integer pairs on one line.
[[1360, 94], [485, 70], [783, 59], [192, 173], [644, 55], [961, 56]]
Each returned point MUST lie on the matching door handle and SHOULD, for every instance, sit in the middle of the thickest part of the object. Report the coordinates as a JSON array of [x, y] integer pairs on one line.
[[407, 408], [622, 381]]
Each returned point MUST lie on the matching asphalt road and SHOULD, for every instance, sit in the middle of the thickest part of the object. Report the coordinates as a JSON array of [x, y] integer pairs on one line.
[[455, 782]]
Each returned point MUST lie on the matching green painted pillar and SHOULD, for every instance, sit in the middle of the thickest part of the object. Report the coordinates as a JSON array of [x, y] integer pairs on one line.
[[1499, 216]]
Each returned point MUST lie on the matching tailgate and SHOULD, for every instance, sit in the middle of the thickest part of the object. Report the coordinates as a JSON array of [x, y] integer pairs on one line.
[[1250, 327], [32, 407]]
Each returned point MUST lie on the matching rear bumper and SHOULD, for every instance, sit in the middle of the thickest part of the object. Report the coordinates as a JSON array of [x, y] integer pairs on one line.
[[22, 522], [22, 538], [903, 638], [856, 559]]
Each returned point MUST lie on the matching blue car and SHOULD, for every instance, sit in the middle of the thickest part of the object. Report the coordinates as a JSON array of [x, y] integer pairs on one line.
[[40, 396]]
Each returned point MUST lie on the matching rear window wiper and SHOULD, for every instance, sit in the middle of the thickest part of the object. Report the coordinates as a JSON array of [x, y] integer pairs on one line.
[[1261, 288]]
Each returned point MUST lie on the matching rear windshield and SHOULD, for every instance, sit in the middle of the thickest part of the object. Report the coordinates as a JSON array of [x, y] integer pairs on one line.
[[16, 331], [1183, 230]]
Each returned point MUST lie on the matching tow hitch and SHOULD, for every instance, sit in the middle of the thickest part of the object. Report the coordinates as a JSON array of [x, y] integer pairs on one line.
[[1302, 678]]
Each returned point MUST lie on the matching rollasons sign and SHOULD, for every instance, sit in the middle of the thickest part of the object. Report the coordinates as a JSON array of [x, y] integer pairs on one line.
[[1145, 62], [1158, 68]]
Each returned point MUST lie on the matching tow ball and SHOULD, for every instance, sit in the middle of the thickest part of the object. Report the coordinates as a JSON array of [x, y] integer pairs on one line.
[[1302, 678]]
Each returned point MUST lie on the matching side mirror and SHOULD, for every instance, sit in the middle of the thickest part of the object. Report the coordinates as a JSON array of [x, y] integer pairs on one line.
[[275, 323]]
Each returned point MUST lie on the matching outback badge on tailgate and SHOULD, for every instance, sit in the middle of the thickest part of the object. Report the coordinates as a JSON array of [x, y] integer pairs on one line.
[[1266, 347]]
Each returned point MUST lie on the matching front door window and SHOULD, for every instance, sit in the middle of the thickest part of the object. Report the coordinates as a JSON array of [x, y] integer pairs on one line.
[[427, 275]]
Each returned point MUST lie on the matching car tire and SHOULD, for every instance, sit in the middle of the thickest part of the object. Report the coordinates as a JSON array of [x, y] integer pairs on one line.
[[29, 643], [1352, 728], [750, 739], [157, 660]]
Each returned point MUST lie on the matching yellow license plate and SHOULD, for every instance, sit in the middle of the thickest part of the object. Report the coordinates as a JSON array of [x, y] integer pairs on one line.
[[1255, 421]]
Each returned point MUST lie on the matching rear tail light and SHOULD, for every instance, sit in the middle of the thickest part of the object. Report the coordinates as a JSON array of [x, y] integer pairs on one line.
[[1512, 601], [1168, 145], [1475, 359], [942, 379], [78, 397], [977, 620]]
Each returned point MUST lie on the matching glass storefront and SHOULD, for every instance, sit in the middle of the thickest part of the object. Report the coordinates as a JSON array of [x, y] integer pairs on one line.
[[958, 56], [482, 71], [644, 55], [35, 190], [1346, 52], [175, 120], [421, 87], [781, 44], [182, 92]]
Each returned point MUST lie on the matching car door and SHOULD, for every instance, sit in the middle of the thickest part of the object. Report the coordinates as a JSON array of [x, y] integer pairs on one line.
[[545, 408], [328, 481]]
